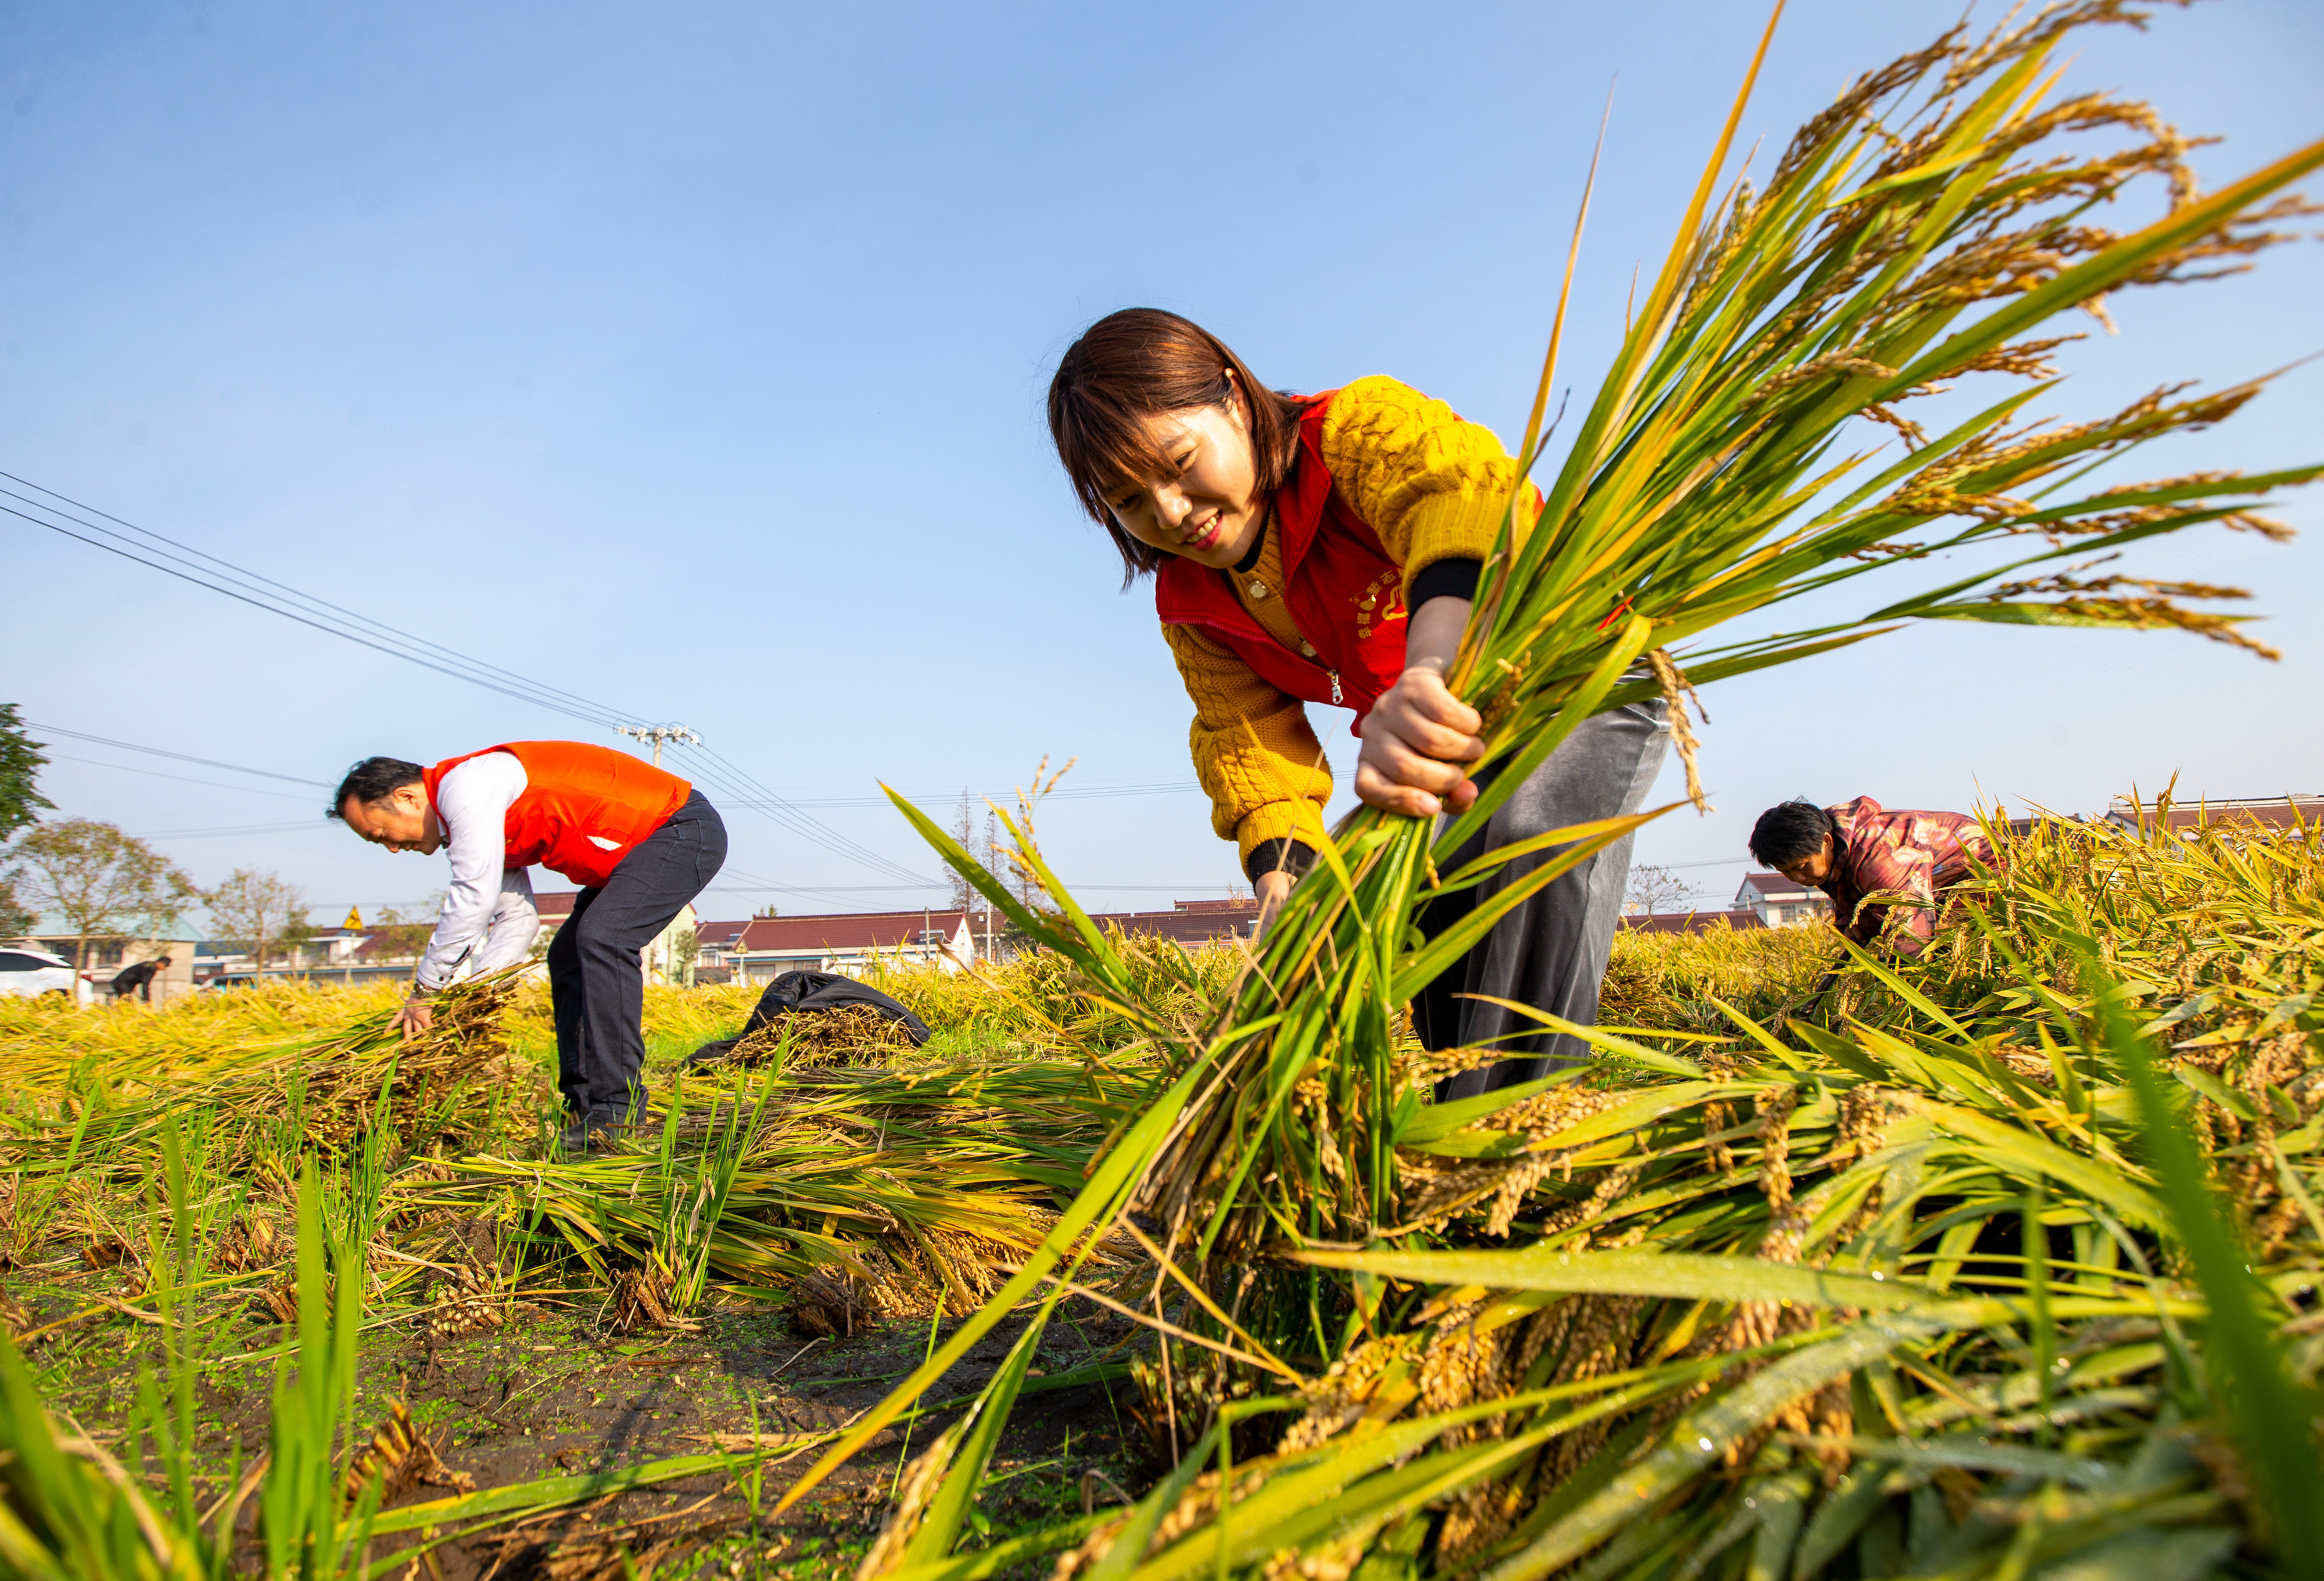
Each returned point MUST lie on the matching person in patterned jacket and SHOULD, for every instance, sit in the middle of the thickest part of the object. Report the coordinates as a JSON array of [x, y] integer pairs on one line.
[[1882, 870]]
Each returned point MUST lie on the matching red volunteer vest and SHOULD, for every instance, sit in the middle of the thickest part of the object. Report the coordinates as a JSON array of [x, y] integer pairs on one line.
[[584, 807], [1345, 594]]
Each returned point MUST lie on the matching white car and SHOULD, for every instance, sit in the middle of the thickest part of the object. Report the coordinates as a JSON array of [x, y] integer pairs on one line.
[[28, 972]]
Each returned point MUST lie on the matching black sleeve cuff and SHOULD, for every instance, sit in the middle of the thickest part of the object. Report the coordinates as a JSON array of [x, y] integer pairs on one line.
[[1281, 852], [1447, 578]]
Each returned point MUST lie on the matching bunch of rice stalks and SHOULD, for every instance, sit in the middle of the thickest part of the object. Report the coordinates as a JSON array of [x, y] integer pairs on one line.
[[1036, 1003], [259, 1083], [677, 1020], [1699, 487], [847, 1034], [73, 1509], [1945, 1294], [896, 1186], [1914, 235], [2240, 911], [1676, 982], [1936, 1288], [73, 1512], [43, 1037]]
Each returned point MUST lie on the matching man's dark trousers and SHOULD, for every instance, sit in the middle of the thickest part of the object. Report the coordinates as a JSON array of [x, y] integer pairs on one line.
[[596, 983]]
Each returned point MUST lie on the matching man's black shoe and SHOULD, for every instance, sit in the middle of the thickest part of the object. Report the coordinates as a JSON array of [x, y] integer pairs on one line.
[[602, 1131]]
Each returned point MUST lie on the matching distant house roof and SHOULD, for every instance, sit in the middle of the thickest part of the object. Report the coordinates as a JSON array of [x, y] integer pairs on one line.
[[1191, 922], [1691, 922], [2275, 812], [555, 906], [847, 929], [1771, 886]]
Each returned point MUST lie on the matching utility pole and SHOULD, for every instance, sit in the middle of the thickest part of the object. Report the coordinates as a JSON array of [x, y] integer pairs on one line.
[[657, 735]]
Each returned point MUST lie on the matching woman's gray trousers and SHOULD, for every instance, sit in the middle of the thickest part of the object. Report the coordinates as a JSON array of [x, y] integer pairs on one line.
[[1550, 952]]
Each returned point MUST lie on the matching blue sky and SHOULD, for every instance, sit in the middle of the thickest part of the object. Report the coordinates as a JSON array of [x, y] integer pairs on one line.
[[690, 358]]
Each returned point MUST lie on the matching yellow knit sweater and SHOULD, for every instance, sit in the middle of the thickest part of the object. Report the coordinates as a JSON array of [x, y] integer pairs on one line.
[[1431, 487]]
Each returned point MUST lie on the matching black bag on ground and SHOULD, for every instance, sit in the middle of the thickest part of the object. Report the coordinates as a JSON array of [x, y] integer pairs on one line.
[[795, 992]]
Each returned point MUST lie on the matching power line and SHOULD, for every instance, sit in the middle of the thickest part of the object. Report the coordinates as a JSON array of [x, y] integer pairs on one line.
[[732, 799], [181, 757], [253, 589], [930, 797], [66, 757], [272, 829], [265, 587], [706, 763], [739, 787], [219, 576], [758, 883], [259, 603], [864, 889]]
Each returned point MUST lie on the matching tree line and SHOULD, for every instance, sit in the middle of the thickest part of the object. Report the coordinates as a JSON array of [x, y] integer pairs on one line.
[[104, 884]]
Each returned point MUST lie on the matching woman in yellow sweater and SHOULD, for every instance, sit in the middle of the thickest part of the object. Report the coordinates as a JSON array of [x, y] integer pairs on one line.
[[1324, 549]]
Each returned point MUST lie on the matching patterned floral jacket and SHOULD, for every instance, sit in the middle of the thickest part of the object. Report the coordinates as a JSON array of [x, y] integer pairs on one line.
[[1897, 861]]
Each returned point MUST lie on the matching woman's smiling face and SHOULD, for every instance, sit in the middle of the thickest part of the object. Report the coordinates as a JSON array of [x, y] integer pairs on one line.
[[1205, 506]]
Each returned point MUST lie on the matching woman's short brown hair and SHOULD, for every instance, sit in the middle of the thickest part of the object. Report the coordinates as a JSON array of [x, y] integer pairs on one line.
[[1140, 363]]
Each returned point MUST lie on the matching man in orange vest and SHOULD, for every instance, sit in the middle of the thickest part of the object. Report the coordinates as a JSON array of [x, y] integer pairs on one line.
[[640, 842]]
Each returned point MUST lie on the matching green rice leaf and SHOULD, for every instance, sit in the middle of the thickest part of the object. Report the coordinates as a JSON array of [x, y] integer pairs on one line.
[[1695, 1443], [2273, 1412], [1676, 1275]]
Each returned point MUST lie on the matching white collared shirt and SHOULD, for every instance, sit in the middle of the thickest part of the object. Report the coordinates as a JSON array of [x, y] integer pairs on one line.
[[488, 920]]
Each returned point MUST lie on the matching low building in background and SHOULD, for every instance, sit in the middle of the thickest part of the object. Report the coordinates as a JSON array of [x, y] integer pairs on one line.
[[713, 947], [347, 958], [107, 956], [2188, 813], [848, 943], [323, 949], [389, 955], [756, 949], [1778, 902], [1689, 922], [763, 948], [220, 960], [1189, 921]]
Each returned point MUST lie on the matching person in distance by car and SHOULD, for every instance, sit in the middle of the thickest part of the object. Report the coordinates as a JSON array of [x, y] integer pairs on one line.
[[138, 979], [1873, 863], [640, 842]]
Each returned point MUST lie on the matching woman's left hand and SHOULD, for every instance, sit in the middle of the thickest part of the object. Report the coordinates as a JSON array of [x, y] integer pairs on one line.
[[1418, 740], [1270, 890]]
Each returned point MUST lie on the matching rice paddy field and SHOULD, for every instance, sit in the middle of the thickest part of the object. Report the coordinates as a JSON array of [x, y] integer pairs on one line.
[[2000, 1262], [1980, 1264]]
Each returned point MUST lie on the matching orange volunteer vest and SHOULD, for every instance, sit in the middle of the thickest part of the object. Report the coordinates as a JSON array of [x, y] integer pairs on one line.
[[584, 807]]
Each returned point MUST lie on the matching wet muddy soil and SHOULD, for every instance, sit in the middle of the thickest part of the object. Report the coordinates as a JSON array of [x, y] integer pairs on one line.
[[553, 1392]]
